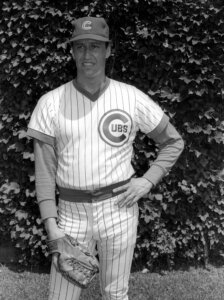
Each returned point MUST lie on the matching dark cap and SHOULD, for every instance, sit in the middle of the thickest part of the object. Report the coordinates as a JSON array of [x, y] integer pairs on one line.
[[90, 28]]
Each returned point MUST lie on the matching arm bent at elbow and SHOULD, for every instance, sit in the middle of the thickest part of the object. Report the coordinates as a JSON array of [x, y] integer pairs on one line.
[[170, 145]]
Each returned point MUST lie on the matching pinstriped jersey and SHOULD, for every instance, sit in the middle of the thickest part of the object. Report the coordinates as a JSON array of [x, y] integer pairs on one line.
[[93, 139]]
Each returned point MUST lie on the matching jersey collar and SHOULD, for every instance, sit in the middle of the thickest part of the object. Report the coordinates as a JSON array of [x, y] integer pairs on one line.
[[97, 94]]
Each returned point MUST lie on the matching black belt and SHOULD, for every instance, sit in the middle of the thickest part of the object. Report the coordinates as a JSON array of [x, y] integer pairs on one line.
[[89, 196]]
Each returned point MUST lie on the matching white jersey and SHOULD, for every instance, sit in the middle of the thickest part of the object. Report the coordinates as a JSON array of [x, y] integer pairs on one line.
[[93, 139]]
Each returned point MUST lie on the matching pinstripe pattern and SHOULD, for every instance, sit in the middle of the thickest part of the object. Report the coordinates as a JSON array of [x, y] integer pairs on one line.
[[94, 149], [113, 231], [85, 160]]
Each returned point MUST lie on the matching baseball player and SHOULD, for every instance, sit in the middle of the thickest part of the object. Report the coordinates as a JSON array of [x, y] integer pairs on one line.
[[83, 133]]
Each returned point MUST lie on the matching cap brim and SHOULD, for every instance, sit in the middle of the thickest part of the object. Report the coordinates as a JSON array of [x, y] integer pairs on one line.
[[88, 36]]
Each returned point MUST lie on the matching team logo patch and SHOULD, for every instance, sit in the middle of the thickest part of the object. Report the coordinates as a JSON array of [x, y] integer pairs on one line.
[[87, 25], [115, 127]]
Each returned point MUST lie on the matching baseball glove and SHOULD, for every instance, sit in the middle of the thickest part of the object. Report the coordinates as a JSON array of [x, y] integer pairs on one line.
[[74, 261]]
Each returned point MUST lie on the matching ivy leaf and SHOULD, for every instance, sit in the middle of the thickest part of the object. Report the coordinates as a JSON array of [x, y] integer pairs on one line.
[[32, 178], [22, 134], [28, 60], [28, 155], [185, 79], [196, 152], [24, 115], [158, 197], [30, 193], [191, 129], [8, 187], [21, 215]]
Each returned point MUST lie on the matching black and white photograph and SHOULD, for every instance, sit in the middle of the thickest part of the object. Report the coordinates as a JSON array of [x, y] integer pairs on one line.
[[111, 150]]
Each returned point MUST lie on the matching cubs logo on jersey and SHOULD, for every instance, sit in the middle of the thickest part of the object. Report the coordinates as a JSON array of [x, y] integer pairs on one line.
[[115, 127]]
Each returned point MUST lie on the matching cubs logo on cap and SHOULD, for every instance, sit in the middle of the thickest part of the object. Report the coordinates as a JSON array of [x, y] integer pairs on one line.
[[87, 25], [90, 28], [115, 127]]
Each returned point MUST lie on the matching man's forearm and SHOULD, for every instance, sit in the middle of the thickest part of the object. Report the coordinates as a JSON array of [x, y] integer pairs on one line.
[[51, 226], [170, 146], [45, 172]]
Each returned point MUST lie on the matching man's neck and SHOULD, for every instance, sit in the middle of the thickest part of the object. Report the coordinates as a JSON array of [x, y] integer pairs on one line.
[[91, 85]]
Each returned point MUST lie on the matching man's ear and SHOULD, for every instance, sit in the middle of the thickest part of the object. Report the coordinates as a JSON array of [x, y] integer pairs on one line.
[[108, 53], [71, 51]]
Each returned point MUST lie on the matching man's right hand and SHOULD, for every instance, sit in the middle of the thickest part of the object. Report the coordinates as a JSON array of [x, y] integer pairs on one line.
[[53, 233]]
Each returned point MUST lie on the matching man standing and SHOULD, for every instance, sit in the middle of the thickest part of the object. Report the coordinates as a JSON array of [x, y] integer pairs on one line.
[[83, 134]]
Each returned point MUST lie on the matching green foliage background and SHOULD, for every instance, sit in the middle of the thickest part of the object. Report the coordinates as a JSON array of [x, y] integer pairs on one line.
[[172, 50]]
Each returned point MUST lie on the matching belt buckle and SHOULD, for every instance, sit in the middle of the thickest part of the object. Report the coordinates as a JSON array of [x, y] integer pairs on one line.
[[96, 195]]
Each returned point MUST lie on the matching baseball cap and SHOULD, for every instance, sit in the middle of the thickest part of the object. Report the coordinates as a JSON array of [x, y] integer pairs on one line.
[[90, 28]]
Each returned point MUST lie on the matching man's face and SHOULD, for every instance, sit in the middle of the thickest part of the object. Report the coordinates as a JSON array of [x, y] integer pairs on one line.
[[90, 57]]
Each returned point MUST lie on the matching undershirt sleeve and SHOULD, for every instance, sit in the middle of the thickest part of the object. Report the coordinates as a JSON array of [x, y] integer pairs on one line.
[[170, 145], [45, 173]]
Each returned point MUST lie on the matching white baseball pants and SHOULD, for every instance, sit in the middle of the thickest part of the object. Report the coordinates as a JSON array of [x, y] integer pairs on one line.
[[110, 229]]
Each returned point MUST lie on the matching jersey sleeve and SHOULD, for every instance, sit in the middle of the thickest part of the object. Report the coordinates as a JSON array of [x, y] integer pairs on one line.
[[149, 116], [42, 122]]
